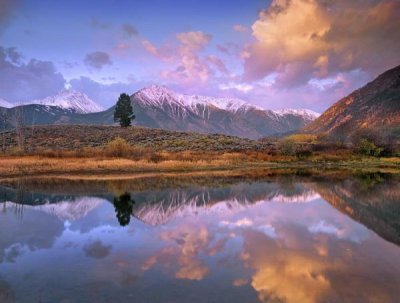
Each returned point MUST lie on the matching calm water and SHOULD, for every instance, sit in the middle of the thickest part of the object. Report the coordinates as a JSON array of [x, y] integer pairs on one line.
[[257, 239]]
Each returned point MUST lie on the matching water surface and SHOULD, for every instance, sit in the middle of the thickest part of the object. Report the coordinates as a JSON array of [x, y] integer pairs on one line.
[[261, 239]]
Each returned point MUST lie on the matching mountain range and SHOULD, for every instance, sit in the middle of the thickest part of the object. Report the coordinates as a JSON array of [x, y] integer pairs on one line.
[[374, 106], [159, 107], [68, 99]]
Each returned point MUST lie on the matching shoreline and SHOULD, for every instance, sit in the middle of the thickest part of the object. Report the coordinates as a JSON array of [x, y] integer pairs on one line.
[[90, 168]]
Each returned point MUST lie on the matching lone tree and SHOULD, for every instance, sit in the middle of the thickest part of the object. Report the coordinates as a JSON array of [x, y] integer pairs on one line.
[[123, 111]]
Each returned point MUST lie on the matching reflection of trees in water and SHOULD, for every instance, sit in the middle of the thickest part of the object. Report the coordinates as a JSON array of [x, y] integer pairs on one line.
[[4, 198], [123, 208], [370, 180]]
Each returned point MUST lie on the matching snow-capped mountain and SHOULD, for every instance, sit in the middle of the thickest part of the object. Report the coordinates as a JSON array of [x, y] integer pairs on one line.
[[161, 95], [5, 104], [159, 107], [302, 112], [69, 210], [71, 100]]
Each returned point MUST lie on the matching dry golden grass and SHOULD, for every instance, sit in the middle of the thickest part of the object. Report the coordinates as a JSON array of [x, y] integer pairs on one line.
[[164, 162], [34, 165], [302, 138]]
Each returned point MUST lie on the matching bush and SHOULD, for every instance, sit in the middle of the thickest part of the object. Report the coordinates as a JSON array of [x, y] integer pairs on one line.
[[287, 147], [118, 148], [302, 138], [368, 148], [303, 153]]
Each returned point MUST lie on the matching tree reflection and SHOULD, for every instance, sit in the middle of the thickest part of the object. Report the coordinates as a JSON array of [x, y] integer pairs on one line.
[[123, 208]]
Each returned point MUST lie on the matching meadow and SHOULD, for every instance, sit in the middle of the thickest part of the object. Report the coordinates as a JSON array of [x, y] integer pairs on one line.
[[63, 150]]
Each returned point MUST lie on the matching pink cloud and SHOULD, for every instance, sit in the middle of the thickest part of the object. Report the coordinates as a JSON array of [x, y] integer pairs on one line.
[[150, 47], [186, 65], [195, 41], [240, 28], [304, 39]]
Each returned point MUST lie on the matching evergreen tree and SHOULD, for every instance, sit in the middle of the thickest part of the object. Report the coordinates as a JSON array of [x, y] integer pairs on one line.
[[123, 111]]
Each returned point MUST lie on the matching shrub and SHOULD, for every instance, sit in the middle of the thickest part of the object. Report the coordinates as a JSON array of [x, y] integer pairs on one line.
[[303, 153], [368, 148], [118, 148], [286, 147], [302, 138]]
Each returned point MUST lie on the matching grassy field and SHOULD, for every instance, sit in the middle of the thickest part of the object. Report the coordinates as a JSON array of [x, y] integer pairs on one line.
[[107, 150], [38, 165]]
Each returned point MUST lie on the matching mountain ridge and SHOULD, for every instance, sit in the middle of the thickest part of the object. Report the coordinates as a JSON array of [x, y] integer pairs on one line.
[[70, 99], [160, 107], [5, 104], [375, 105]]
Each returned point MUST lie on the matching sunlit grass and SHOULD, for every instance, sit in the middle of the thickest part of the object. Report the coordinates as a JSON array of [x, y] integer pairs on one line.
[[14, 166]]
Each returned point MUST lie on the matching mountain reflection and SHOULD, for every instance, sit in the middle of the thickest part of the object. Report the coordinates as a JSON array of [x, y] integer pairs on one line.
[[372, 199], [279, 239]]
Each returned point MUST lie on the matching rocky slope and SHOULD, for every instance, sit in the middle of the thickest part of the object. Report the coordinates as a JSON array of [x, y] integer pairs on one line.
[[376, 105]]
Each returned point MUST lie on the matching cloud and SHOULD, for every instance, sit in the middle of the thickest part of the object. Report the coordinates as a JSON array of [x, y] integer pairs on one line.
[[230, 49], [37, 231], [97, 24], [217, 63], [240, 28], [186, 66], [317, 95], [186, 244], [129, 30], [12, 54], [122, 46], [97, 60], [304, 39], [97, 250], [195, 41], [21, 81], [150, 47]]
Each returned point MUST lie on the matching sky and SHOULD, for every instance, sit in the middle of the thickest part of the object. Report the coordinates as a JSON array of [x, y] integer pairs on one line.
[[274, 54]]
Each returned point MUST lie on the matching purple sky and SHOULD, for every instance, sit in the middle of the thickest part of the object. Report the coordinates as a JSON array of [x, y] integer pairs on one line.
[[275, 54]]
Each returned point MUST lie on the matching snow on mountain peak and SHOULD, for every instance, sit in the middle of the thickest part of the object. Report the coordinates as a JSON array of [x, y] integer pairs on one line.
[[159, 95], [4, 103], [72, 100], [312, 115], [229, 104], [156, 94]]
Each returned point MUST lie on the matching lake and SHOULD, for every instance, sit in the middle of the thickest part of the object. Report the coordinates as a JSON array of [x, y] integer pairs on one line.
[[260, 237]]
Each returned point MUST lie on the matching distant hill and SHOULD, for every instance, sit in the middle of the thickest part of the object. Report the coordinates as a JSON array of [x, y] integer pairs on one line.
[[374, 106], [160, 107]]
